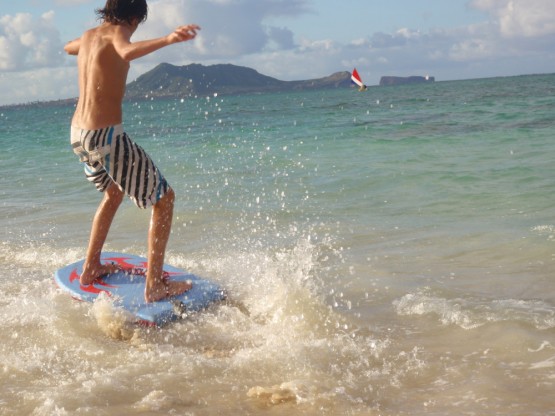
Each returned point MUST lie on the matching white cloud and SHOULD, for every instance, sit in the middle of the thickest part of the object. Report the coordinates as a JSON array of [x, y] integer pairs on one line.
[[230, 28], [37, 84], [29, 42], [281, 37], [471, 50], [325, 46], [516, 18]]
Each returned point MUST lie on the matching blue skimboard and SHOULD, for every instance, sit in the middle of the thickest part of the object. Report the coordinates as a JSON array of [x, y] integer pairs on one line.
[[127, 289]]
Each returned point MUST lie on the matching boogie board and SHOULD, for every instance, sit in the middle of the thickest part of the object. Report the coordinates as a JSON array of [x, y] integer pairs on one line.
[[127, 287]]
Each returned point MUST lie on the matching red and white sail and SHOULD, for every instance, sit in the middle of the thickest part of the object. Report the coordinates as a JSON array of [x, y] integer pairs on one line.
[[355, 78]]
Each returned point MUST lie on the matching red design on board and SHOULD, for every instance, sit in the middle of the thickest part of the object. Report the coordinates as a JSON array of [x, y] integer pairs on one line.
[[122, 261], [90, 288], [138, 269]]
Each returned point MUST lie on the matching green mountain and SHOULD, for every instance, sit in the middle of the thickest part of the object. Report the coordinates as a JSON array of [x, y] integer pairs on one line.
[[167, 80]]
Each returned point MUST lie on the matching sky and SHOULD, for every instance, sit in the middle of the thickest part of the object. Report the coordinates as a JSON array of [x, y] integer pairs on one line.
[[290, 39]]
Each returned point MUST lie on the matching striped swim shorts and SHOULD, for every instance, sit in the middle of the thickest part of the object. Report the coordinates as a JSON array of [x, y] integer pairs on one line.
[[110, 156]]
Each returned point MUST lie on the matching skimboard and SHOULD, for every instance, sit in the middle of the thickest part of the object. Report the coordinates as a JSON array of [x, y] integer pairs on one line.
[[126, 288]]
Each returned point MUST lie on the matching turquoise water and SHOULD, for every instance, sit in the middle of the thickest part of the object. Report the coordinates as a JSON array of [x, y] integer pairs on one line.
[[391, 252]]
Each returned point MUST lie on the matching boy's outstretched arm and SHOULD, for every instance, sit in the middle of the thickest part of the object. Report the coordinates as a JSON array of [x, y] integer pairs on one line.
[[132, 50]]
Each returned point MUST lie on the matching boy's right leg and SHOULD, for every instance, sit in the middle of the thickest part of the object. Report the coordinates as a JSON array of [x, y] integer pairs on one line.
[[93, 269]]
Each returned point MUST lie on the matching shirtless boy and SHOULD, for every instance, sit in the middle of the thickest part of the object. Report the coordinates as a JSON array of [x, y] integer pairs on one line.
[[114, 163]]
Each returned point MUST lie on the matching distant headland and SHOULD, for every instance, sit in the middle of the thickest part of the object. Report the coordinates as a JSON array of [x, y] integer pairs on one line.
[[169, 81]]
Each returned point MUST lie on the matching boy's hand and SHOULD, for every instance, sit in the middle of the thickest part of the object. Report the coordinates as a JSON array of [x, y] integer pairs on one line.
[[183, 33]]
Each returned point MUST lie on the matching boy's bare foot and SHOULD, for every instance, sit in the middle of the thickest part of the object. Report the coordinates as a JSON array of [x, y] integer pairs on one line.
[[166, 289], [91, 274]]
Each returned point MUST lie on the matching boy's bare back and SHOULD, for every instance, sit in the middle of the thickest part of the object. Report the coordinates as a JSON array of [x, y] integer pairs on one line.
[[102, 78], [104, 53]]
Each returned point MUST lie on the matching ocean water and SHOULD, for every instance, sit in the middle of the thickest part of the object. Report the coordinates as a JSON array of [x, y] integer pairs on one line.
[[386, 253]]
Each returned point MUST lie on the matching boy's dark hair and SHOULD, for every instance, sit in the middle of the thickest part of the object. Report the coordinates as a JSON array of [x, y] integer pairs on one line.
[[123, 11]]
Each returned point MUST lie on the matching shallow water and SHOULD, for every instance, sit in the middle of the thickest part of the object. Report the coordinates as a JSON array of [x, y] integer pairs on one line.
[[387, 253]]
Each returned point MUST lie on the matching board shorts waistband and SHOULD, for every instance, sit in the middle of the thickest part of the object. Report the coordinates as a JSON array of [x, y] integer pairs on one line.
[[110, 156]]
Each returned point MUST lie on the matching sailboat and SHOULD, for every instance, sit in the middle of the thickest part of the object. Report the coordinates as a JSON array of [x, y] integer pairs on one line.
[[355, 79]]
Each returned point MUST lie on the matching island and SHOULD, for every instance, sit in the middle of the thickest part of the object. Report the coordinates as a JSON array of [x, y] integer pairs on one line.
[[167, 81]]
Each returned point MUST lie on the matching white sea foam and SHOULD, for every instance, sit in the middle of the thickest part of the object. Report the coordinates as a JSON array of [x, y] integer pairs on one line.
[[471, 312], [549, 363]]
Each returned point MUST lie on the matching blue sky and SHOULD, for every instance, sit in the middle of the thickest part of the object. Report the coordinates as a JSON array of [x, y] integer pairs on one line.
[[291, 39]]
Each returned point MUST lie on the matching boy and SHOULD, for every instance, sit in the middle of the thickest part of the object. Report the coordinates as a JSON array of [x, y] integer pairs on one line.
[[114, 163]]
